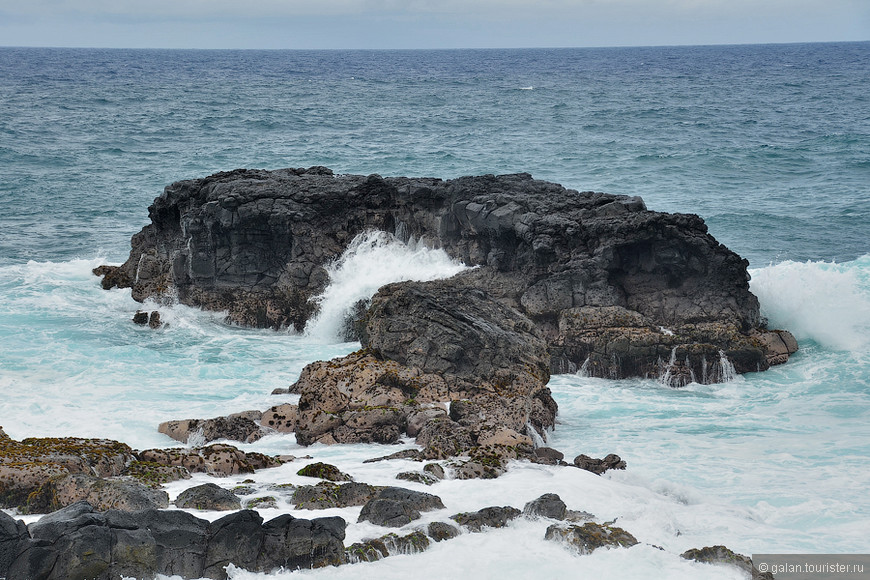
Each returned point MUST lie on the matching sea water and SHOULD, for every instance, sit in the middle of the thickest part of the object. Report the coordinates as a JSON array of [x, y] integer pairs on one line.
[[769, 144]]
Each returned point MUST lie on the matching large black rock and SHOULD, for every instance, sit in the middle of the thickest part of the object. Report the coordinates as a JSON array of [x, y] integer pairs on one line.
[[77, 542], [612, 288]]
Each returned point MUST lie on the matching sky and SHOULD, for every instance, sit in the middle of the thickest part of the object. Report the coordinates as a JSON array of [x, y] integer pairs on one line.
[[374, 24]]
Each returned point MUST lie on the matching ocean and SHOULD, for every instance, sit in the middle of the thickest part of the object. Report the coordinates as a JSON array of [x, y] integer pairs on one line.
[[770, 144]]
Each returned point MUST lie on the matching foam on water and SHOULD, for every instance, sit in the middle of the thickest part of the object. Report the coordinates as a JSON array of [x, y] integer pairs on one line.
[[826, 302], [371, 260]]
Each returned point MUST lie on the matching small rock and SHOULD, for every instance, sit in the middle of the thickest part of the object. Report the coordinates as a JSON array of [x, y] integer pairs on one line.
[[590, 536], [435, 469], [489, 517], [266, 502], [548, 456], [722, 555], [548, 505], [324, 471], [418, 477], [440, 531], [599, 466], [208, 497], [140, 317]]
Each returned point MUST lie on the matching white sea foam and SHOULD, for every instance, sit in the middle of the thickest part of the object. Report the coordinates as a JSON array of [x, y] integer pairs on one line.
[[370, 261], [828, 303]]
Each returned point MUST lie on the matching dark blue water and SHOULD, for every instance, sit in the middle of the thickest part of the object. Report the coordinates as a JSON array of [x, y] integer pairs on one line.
[[771, 144]]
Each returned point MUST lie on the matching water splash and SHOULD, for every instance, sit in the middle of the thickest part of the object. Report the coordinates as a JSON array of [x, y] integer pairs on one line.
[[825, 302], [371, 260]]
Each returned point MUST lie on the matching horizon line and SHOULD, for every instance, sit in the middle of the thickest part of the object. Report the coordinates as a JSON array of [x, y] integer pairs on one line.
[[445, 48]]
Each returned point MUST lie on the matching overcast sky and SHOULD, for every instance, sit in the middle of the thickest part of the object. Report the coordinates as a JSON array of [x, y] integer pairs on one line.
[[426, 23]]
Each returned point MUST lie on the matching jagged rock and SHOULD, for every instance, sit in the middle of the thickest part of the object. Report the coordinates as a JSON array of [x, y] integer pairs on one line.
[[599, 466], [489, 517], [725, 556], [326, 495], [548, 505], [388, 545], [243, 427], [324, 471], [208, 496], [395, 506], [440, 531], [590, 536], [255, 243], [281, 418]]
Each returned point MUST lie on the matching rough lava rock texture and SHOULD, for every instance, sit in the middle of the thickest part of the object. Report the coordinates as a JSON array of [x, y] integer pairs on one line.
[[611, 288], [78, 542]]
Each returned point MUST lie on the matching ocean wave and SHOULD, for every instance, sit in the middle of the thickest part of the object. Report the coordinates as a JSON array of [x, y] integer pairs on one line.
[[826, 302]]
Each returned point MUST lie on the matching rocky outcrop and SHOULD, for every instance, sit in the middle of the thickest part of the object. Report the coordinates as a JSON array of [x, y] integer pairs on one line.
[[427, 344], [78, 542], [611, 287]]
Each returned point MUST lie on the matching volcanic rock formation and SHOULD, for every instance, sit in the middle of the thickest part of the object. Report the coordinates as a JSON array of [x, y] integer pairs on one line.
[[612, 288]]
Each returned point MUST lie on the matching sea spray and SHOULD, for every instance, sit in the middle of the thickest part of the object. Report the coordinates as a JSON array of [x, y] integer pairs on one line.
[[371, 260], [828, 303]]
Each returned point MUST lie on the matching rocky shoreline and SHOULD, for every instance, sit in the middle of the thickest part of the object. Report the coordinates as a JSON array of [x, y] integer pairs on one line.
[[561, 281], [114, 534]]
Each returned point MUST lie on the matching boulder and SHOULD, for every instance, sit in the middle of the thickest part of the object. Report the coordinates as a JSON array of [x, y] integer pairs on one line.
[[395, 506], [208, 496], [548, 505], [440, 531]]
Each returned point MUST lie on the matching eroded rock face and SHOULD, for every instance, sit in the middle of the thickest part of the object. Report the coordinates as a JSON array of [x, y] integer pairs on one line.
[[607, 283], [426, 344]]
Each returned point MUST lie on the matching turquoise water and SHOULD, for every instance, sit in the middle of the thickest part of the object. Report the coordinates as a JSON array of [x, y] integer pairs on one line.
[[770, 144]]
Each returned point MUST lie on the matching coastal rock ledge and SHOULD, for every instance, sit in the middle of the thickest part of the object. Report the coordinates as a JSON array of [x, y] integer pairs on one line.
[[611, 288]]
